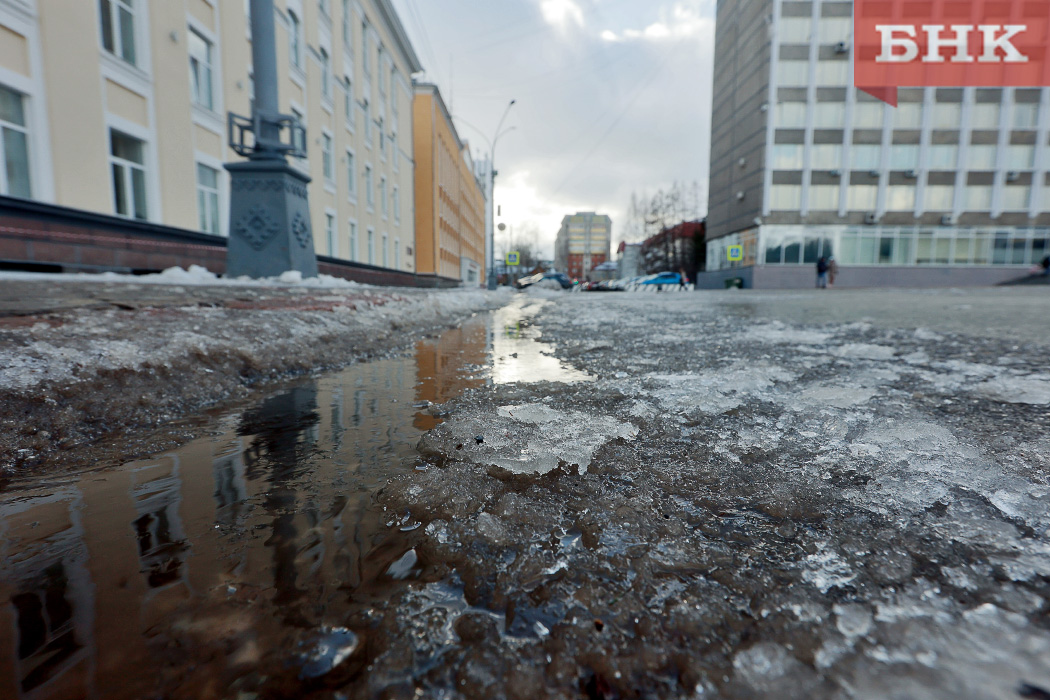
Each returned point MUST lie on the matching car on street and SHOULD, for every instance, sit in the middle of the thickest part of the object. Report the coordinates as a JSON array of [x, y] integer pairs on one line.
[[664, 279], [559, 277]]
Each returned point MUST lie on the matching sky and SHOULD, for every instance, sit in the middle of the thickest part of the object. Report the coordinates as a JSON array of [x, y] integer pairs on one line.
[[613, 97]]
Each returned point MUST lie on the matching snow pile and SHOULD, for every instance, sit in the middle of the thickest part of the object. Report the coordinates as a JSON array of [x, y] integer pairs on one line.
[[195, 276], [526, 439]]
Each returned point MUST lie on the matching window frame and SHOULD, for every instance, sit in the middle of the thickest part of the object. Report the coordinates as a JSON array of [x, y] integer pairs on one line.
[[23, 129], [116, 30], [214, 196], [209, 66], [127, 168]]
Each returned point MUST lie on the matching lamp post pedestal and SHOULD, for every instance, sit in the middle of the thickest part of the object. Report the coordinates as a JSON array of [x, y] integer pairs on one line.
[[270, 230]]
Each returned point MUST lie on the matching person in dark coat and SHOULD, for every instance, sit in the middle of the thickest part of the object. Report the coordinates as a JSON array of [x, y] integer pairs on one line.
[[822, 273]]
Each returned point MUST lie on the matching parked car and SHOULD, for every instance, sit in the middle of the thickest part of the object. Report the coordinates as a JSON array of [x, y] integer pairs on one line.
[[559, 277], [664, 279]]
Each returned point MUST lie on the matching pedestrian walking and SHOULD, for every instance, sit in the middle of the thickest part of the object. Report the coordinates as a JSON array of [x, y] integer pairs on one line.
[[833, 271], [682, 279], [1046, 265], [822, 273]]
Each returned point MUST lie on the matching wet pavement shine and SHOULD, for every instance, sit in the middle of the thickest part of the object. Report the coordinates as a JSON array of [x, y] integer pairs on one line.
[[575, 496]]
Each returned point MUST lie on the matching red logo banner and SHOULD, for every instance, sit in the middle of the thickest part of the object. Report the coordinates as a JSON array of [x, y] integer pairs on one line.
[[950, 43]]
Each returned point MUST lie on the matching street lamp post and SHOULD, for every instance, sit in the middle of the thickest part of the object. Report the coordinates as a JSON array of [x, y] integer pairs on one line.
[[270, 230], [490, 224]]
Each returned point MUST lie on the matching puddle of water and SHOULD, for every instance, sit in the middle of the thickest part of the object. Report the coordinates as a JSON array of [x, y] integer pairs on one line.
[[229, 555], [518, 355]]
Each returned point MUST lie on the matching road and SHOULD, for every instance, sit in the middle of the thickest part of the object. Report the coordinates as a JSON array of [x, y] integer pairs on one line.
[[693, 495]]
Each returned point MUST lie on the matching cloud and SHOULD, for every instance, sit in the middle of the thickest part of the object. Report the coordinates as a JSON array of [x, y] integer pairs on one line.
[[685, 20], [561, 13]]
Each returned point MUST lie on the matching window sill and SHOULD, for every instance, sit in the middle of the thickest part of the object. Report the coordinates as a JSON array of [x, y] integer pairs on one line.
[[297, 75], [329, 186], [327, 104], [208, 118], [130, 76]]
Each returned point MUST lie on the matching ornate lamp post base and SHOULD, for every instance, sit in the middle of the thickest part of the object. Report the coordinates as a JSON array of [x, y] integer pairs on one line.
[[270, 230]]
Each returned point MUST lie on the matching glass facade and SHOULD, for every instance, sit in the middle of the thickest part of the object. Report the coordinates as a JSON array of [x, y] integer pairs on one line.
[[884, 245]]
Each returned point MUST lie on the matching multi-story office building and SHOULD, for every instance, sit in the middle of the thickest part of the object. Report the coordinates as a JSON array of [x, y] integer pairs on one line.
[[950, 187], [119, 107], [583, 243], [450, 202]]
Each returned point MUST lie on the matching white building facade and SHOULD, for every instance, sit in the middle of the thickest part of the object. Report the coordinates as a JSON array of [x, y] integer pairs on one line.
[[804, 165]]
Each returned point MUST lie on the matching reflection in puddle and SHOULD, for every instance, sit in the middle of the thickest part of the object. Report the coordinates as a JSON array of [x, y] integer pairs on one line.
[[222, 555], [517, 353]]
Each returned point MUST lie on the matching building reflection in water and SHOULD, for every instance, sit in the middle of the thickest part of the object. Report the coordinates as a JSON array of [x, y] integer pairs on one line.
[[278, 500]]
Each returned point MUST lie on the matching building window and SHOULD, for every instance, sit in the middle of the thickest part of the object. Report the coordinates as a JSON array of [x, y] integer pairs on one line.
[[394, 153], [326, 76], [382, 138], [866, 157], [348, 104], [944, 157], [351, 175], [329, 233], [128, 163], [367, 109], [791, 115], [118, 28], [795, 30], [978, 198], [904, 156], [14, 146], [835, 29], [208, 199], [833, 73], [908, 115], [939, 197], [347, 38], [300, 136], [397, 205], [397, 253], [353, 241], [982, 157], [786, 198], [824, 197], [793, 73], [366, 60], [370, 195], [1020, 157], [829, 115], [826, 156], [863, 197], [382, 197], [947, 116], [985, 116], [327, 158], [201, 70], [900, 198], [385, 251], [868, 115], [325, 7], [295, 40], [1026, 116], [371, 247], [1016, 197]]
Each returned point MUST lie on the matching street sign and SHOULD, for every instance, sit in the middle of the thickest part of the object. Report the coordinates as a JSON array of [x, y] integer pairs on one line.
[[736, 253], [513, 259]]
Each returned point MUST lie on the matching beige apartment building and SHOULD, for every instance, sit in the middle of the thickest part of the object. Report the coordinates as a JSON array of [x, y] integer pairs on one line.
[[450, 202], [119, 107]]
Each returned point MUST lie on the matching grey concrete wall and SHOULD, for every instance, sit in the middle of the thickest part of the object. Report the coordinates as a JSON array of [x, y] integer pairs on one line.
[[716, 279], [738, 125], [805, 276]]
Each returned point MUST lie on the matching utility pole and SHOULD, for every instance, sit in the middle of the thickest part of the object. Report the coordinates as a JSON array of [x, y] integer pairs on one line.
[[270, 230], [492, 203]]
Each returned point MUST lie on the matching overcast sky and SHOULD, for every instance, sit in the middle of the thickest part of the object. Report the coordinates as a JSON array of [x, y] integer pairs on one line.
[[613, 97]]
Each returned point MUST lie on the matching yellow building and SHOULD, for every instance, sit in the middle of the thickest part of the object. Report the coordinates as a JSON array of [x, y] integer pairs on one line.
[[450, 203], [119, 107]]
